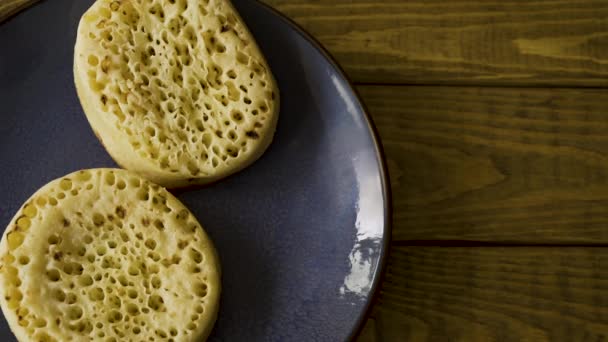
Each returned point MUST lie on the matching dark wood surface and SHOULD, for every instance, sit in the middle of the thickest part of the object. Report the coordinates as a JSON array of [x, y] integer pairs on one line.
[[494, 118], [9, 8], [479, 42], [492, 294], [508, 165]]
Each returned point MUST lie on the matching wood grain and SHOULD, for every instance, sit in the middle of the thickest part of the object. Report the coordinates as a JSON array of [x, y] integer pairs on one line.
[[492, 294], [509, 165], [10, 7], [515, 42]]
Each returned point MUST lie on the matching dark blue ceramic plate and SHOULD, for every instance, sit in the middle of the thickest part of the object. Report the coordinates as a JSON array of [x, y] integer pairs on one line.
[[302, 233]]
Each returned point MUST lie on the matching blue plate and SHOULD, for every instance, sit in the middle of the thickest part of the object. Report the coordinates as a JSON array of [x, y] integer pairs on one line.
[[302, 234]]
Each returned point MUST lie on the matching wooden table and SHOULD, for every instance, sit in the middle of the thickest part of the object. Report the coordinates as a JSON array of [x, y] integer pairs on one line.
[[494, 118]]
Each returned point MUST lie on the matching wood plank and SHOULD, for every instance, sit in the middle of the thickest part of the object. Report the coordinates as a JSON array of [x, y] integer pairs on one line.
[[10, 7], [495, 42], [516, 165], [492, 294]]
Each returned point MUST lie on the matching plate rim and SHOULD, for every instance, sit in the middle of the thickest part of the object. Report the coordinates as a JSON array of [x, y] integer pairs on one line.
[[378, 276], [380, 272]]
